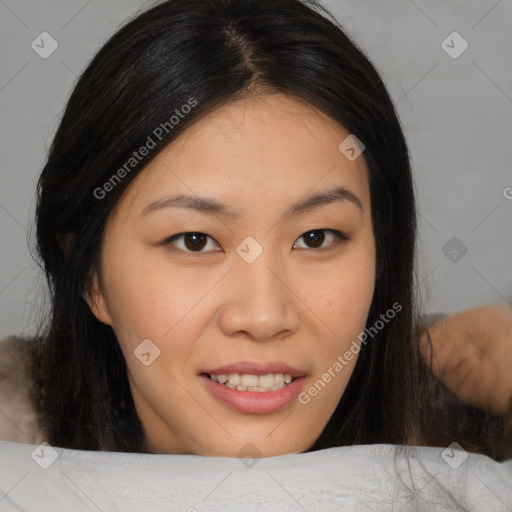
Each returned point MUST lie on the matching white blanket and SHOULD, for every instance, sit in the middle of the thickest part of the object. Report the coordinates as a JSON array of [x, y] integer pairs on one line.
[[356, 478]]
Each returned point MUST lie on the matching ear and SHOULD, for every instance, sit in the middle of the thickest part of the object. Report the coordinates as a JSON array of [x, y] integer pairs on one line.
[[96, 300]]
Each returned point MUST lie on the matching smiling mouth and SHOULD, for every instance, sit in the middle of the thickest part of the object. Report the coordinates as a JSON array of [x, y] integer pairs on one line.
[[250, 382]]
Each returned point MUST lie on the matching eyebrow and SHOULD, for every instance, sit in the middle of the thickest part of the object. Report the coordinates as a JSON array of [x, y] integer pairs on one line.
[[214, 208]]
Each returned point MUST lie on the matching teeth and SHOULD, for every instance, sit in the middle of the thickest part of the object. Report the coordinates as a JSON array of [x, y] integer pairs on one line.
[[247, 382], [265, 381], [278, 379], [234, 378]]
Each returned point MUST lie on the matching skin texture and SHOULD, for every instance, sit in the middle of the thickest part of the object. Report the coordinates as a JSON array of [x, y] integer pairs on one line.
[[295, 304]]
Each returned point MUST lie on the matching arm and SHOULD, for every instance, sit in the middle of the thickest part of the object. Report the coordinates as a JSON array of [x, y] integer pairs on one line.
[[467, 390]]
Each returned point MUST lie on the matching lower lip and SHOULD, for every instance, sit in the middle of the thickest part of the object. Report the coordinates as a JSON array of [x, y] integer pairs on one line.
[[256, 402]]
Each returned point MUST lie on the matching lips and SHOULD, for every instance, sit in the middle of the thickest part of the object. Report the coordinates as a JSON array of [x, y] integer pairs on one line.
[[255, 400]]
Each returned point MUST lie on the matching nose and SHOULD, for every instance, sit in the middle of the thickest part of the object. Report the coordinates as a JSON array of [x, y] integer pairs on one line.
[[259, 302]]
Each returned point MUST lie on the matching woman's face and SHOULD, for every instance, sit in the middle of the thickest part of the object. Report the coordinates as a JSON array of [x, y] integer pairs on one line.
[[261, 285]]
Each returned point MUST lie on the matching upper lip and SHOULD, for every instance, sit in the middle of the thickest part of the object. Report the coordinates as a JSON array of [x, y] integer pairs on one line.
[[256, 368]]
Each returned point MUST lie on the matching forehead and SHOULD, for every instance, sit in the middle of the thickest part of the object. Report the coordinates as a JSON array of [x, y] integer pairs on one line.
[[253, 153]]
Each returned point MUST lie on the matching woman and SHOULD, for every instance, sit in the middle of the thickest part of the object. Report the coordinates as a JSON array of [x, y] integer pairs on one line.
[[228, 202]]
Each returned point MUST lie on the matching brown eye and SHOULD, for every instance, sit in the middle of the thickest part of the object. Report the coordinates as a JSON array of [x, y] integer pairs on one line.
[[193, 242], [315, 239]]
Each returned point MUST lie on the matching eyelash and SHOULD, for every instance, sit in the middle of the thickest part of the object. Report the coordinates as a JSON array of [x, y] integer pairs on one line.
[[340, 237]]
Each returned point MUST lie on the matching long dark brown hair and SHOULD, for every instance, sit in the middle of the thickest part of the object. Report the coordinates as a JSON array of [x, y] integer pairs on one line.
[[214, 51]]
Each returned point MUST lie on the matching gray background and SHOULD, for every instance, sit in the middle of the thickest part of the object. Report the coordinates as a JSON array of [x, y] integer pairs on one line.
[[456, 114]]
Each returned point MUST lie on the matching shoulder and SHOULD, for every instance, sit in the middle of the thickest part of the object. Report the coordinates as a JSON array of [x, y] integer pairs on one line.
[[18, 418]]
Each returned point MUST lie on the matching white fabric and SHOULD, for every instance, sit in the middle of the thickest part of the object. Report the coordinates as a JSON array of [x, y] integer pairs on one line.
[[355, 478]]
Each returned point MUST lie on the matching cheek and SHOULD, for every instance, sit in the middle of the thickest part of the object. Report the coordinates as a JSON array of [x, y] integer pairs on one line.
[[342, 294], [150, 299], [346, 318], [342, 301], [351, 300]]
